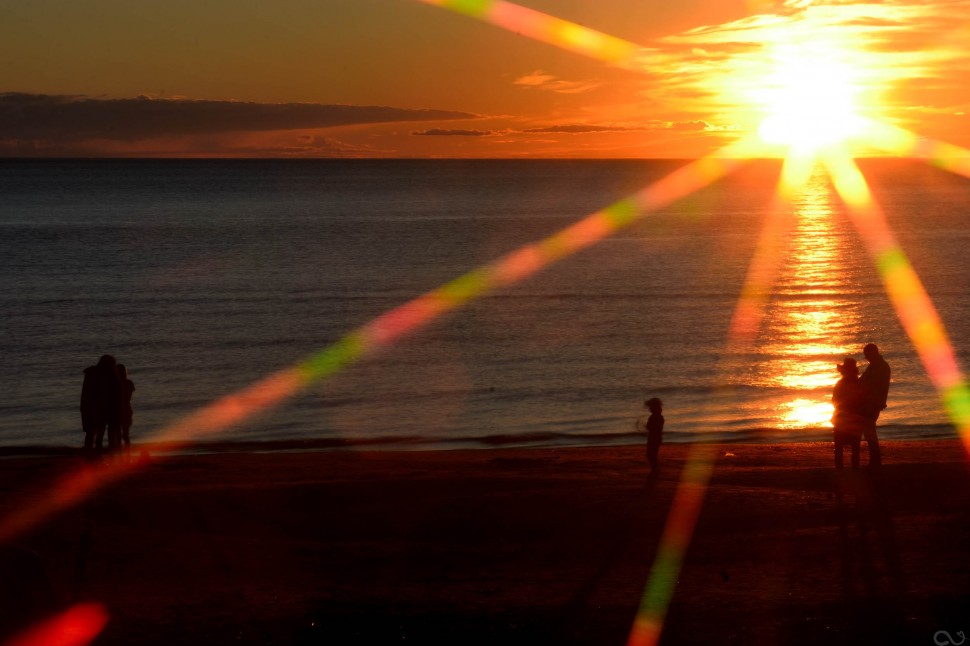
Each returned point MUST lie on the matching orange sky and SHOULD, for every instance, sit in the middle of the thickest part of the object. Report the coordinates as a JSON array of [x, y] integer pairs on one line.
[[242, 78]]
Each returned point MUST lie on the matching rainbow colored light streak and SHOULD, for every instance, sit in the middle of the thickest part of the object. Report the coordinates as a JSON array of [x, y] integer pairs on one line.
[[763, 269], [904, 143], [907, 294], [386, 329], [676, 537], [910, 300], [549, 29], [699, 466], [415, 314]]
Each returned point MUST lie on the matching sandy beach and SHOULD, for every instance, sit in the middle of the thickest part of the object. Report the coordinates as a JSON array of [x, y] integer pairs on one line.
[[526, 546]]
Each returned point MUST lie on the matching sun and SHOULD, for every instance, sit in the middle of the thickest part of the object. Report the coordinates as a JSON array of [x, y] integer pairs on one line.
[[809, 100]]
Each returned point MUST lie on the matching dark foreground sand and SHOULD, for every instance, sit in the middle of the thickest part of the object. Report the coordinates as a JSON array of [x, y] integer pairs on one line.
[[548, 546]]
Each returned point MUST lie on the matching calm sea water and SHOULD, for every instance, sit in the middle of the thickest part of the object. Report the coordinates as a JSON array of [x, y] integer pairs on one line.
[[203, 276]]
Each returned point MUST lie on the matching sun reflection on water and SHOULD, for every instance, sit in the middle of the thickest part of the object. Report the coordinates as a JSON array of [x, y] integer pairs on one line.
[[815, 315], [806, 413]]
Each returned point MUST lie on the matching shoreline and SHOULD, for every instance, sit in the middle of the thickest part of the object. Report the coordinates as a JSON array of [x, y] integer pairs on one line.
[[513, 546], [525, 441]]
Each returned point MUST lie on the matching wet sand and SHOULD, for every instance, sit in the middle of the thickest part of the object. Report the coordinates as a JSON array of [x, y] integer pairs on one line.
[[505, 546]]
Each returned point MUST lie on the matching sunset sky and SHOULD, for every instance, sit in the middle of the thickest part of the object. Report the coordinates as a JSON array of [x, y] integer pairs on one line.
[[401, 78]]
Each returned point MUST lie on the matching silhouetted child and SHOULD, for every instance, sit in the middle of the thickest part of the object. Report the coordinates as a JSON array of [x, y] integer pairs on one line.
[[127, 414], [655, 431]]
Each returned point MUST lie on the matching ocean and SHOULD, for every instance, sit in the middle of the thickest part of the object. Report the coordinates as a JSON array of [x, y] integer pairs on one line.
[[203, 276]]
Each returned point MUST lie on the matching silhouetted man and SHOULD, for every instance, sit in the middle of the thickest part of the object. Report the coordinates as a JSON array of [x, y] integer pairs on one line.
[[875, 381]]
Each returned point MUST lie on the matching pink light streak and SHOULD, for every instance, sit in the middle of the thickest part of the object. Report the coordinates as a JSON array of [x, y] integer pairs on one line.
[[548, 29]]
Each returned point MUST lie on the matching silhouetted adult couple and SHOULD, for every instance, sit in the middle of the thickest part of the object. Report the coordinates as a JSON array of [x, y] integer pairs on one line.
[[858, 402], [106, 406]]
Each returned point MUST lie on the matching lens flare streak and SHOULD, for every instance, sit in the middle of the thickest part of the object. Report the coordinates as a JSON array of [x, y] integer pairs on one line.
[[676, 538], [904, 143], [549, 29], [906, 292], [699, 466], [386, 329], [764, 266]]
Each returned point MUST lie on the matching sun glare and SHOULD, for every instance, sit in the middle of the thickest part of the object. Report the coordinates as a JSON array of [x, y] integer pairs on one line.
[[807, 413], [809, 101]]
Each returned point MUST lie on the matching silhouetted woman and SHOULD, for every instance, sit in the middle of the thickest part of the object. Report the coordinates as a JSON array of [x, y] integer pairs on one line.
[[848, 421], [127, 413]]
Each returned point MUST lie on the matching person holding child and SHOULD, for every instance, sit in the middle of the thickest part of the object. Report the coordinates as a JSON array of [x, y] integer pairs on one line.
[[849, 419]]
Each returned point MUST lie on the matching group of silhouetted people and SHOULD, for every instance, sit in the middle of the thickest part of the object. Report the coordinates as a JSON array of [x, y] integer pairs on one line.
[[858, 400], [106, 407]]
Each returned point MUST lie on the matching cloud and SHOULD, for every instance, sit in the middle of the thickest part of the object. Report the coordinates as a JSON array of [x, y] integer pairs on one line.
[[308, 146], [890, 48], [271, 144], [73, 118], [540, 80], [688, 126], [442, 132], [584, 128], [580, 128]]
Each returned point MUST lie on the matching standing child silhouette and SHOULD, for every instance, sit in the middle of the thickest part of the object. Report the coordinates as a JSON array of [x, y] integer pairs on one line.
[[655, 432]]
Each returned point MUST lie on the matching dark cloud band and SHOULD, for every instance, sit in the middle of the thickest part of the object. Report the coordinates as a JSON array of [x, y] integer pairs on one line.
[[577, 129], [443, 132], [72, 118]]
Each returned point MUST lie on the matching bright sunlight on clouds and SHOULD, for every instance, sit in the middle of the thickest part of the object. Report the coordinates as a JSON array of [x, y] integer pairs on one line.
[[810, 100], [807, 74], [796, 70]]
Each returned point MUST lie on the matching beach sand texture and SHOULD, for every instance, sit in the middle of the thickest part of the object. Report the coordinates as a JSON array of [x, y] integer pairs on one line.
[[543, 546]]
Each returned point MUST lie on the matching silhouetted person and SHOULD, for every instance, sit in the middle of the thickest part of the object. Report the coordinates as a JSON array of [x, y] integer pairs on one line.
[[100, 404], [875, 381], [849, 400], [127, 413], [655, 431]]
